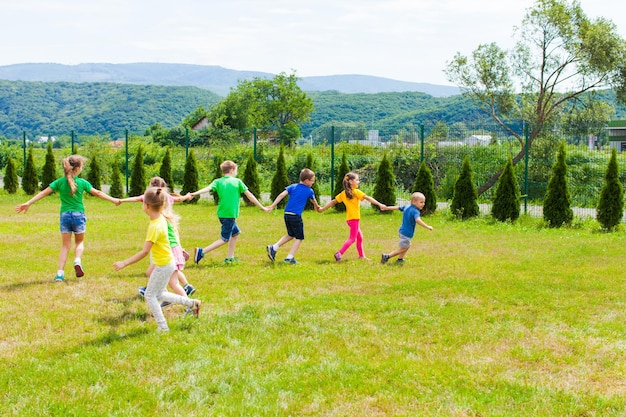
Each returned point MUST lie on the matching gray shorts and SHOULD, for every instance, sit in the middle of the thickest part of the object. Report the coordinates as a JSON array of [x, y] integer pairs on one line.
[[405, 242]]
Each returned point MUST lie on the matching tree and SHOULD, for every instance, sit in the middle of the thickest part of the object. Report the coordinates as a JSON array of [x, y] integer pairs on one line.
[[341, 173], [30, 183], [49, 172], [557, 209], [424, 184], [507, 199], [165, 171], [138, 175], [116, 181], [464, 202], [560, 57], [280, 179], [95, 173], [190, 177], [310, 164], [10, 177], [251, 179], [385, 188], [611, 205]]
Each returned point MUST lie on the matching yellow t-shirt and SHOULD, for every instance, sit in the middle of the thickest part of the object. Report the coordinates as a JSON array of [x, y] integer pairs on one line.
[[353, 205], [161, 252]]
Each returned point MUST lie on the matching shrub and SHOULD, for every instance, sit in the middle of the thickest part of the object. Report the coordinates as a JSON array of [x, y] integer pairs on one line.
[[30, 183], [251, 179], [217, 161], [190, 180], [116, 182], [424, 184], [557, 209], [464, 202], [49, 172], [165, 171], [611, 205], [10, 177], [507, 200], [385, 190], [341, 172], [95, 173], [280, 179], [138, 176]]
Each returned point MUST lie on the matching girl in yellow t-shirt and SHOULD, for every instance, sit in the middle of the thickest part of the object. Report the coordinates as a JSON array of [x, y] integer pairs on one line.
[[158, 245], [351, 196]]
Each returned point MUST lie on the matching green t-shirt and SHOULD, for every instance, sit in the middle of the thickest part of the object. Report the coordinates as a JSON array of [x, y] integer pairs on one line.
[[229, 190], [71, 202]]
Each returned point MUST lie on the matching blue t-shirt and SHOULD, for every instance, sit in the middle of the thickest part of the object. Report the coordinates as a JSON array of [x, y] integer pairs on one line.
[[409, 216], [299, 194]]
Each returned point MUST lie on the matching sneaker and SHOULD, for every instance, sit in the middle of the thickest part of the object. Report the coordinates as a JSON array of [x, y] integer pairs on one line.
[[337, 256], [365, 258], [142, 291], [399, 261], [195, 310], [189, 289], [165, 304], [230, 261], [271, 252], [384, 258], [198, 255], [291, 261], [58, 278], [78, 268]]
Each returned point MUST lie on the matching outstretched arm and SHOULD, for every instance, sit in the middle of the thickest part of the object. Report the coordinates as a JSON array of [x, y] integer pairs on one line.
[[277, 200], [24, 207], [135, 199], [327, 205], [147, 245], [424, 225], [372, 200], [252, 198], [104, 196], [202, 191], [391, 208]]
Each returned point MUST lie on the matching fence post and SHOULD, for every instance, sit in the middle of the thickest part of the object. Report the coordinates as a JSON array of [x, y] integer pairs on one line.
[[525, 167], [421, 143], [24, 148], [332, 159], [72, 142], [126, 133]]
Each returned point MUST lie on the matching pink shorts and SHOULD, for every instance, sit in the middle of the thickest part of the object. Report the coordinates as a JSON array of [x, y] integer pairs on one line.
[[179, 259]]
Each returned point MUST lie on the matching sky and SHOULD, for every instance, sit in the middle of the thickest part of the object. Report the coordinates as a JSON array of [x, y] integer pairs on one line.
[[407, 40]]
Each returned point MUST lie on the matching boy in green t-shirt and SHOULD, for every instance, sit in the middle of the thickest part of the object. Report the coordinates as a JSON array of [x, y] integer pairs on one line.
[[229, 189]]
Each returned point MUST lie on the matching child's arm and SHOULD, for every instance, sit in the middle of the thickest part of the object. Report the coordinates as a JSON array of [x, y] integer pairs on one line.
[[328, 205], [424, 225], [252, 198], [135, 199], [180, 198], [147, 245], [372, 200], [317, 206], [277, 200], [202, 191], [24, 207], [104, 196], [391, 208]]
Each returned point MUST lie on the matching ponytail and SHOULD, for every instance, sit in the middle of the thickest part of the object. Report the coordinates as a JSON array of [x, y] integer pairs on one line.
[[72, 166], [346, 184]]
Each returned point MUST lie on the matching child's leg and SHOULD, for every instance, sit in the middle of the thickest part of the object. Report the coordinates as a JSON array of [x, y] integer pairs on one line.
[[182, 279], [149, 270], [79, 239], [294, 248], [175, 285], [354, 231], [399, 253], [359, 243], [156, 291], [214, 245], [282, 241], [231, 246], [66, 242]]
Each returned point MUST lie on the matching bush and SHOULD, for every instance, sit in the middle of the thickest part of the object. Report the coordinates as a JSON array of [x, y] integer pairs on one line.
[[280, 179], [95, 173], [507, 200], [251, 179], [138, 176], [49, 172], [385, 190], [464, 202], [343, 170], [611, 205], [217, 161], [165, 171], [190, 181], [30, 183], [557, 209], [424, 184], [10, 177], [116, 182]]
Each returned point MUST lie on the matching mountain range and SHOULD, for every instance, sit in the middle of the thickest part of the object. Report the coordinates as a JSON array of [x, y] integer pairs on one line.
[[210, 77]]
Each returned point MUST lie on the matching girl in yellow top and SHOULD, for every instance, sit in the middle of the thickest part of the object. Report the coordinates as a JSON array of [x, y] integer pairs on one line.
[[351, 196], [158, 245]]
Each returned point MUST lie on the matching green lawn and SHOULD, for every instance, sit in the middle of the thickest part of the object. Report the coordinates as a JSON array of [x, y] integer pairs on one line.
[[483, 319]]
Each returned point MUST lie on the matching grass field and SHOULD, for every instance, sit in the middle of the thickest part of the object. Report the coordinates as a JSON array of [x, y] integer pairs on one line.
[[484, 319]]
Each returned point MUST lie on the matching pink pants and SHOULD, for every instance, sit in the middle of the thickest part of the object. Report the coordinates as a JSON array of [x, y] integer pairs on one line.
[[355, 235]]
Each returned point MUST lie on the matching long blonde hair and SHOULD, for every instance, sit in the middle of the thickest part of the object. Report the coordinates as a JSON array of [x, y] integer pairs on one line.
[[72, 165], [347, 187], [168, 211]]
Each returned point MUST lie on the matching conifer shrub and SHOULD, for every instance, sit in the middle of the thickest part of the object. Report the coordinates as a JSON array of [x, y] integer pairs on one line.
[[310, 164], [280, 179], [165, 171], [10, 177], [251, 179], [507, 198], [464, 201], [217, 161], [385, 188], [30, 183], [49, 172], [94, 175], [557, 210], [425, 184], [610, 208], [190, 177], [341, 172], [138, 175], [117, 190]]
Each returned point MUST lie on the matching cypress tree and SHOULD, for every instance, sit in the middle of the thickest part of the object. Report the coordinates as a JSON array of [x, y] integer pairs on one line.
[[251, 179], [10, 177], [116, 182], [424, 184], [310, 164], [165, 171], [190, 179], [341, 172], [49, 172], [30, 183], [464, 201], [557, 209], [610, 208], [95, 173], [217, 161], [385, 189], [138, 175], [507, 199], [280, 179]]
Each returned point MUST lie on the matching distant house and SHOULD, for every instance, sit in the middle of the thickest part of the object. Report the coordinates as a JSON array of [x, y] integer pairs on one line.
[[117, 143], [201, 124], [472, 140], [617, 134], [45, 139]]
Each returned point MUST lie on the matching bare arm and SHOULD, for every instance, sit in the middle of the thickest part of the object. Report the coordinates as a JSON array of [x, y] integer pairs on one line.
[[202, 191], [277, 200], [424, 225], [327, 205], [147, 245], [24, 207], [104, 196], [252, 198], [135, 199], [372, 200], [391, 208]]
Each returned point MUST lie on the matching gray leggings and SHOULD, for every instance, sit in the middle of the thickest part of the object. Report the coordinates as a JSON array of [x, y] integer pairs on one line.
[[155, 293]]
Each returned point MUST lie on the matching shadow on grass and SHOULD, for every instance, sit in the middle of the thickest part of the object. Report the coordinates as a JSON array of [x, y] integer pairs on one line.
[[24, 285], [113, 337]]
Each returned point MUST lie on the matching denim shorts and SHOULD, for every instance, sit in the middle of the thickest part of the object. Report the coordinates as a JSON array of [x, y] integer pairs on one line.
[[73, 222], [229, 229]]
